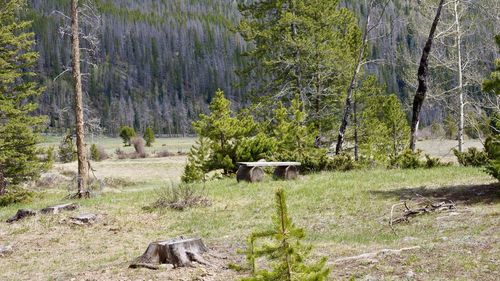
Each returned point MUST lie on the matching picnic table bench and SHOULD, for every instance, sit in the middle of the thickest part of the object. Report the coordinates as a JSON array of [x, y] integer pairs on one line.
[[252, 171]]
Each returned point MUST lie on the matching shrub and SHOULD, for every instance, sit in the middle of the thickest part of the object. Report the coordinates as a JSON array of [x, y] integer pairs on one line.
[[342, 162], [67, 149], [197, 165], [139, 147], [472, 157], [149, 136], [98, 153], [14, 195], [127, 133], [179, 197], [492, 148], [407, 160], [285, 252], [164, 153]]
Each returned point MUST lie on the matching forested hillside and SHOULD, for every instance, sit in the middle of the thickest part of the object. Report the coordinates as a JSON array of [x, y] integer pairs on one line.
[[159, 63]]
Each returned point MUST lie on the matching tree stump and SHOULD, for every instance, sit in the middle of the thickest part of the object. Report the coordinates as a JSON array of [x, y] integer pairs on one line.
[[178, 252], [286, 172], [250, 174], [21, 214], [56, 209]]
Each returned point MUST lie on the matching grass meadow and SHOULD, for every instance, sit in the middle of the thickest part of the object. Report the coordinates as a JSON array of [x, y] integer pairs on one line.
[[344, 215]]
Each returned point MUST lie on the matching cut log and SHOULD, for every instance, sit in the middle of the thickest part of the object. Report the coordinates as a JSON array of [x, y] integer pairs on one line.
[[178, 252], [250, 174], [83, 219], [286, 172], [56, 209], [21, 214]]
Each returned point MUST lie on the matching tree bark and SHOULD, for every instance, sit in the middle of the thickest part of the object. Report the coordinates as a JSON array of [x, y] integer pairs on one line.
[[350, 90], [77, 83], [423, 72], [356, 127], [3, 181], [460, 80]]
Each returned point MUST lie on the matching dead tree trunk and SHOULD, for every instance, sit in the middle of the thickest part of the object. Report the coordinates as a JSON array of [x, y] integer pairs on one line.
[[3, 181], [77, 83], [178, 252], [423, 72]]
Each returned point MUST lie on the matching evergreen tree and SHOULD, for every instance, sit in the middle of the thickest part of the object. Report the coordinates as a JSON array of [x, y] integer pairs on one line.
[[127, 133], [149, 136], [198, 157], [493, 83], [224, 131], [67, 148], [286, 254], [295, 139], [94, 153], [19, 131], [301, 47]]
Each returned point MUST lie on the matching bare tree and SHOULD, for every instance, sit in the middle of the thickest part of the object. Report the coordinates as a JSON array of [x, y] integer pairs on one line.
[[368, 28], [423, 72], [77, 84]]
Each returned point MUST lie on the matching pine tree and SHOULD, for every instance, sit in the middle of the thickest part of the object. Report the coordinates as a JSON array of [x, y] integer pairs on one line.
[[197, 165], [295, 138], [67, 149], [286, 254], [224, 131], [493, 83], [301, 47], [19, 130], [127, 133], [149, 136]]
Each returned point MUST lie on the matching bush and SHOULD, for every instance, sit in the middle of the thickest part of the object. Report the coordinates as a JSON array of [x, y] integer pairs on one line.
[[407, 160], [473, 157], [164, 153], [342, 162], [492, 148], [197, 165], [67, 149], [149, 136], [127, 133], [98, 153], [15, 194], [179, 197]]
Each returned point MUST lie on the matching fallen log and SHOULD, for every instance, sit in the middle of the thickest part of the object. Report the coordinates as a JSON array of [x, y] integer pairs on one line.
[[178, 252], [82, 219], [21, 214], [375, 254], [56, 209]]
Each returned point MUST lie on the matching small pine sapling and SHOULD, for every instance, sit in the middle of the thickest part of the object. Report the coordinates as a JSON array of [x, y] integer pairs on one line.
[[149, 136], [127, 133], [285, 253], [67, 149], [198, 156]]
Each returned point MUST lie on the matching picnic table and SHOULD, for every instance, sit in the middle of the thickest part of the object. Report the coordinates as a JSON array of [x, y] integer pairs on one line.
[[252, 171]]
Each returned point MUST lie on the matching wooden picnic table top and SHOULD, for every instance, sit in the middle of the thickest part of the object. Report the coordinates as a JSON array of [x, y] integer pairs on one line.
[[268, 164]]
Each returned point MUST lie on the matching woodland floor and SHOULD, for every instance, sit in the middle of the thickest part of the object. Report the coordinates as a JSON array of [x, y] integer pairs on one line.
[[344, 214]]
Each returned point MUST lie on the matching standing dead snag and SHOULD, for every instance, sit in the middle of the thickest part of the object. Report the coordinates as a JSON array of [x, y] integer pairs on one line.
[[178, 252], [77, 84], [423, 72]]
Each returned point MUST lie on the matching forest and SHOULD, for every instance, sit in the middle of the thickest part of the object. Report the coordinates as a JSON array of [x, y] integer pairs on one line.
[[251, 140]]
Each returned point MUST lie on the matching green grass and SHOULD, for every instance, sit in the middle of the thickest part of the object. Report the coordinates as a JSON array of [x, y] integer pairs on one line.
[[344, 214]]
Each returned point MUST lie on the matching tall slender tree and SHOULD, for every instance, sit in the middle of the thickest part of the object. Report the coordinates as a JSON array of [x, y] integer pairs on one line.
[[77, 88], [19, 130], [423, 72]]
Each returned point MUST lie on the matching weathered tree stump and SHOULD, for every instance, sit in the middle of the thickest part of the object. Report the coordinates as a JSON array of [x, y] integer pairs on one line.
[[178, 252], [83, 219], [21, 214], [250, 174], [286, 172], [56, 209]]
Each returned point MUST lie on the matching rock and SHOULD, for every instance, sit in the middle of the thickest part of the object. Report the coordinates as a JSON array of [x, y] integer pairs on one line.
[[410, 274], [56, 209], [5, 250], [21, 214]]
